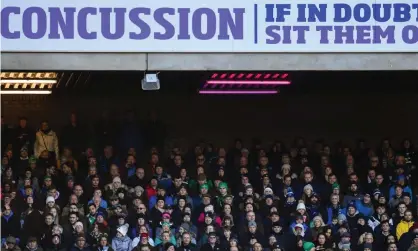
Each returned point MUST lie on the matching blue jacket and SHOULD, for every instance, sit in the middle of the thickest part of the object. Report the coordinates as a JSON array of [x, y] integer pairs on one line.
[[330, 214], [406, 189], [103, 203], [121, 244], [364, 209]]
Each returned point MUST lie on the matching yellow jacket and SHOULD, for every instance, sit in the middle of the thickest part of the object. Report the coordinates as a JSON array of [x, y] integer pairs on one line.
[[403, 227]]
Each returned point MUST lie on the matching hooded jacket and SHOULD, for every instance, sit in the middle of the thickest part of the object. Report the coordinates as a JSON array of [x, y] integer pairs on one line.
[[121, 243]]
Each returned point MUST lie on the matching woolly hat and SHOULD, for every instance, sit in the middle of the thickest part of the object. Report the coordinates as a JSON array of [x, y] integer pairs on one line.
[[78, 223], [32, 160], [307, 246], [204, 186], [335, 186], [123, 229], [309, 186], [166, 215], [301, 206], [209, 208], [50, 199], [290, 193], [268, 189], [223, 185], [185, 226], [352, 204], [342, 217], [252, 224]]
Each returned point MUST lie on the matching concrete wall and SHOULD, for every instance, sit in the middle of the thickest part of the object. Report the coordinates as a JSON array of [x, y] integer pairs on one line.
[[220, 119], [204, 61]]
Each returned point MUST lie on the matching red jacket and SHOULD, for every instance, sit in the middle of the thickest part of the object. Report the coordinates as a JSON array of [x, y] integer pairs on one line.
[[150, 191]]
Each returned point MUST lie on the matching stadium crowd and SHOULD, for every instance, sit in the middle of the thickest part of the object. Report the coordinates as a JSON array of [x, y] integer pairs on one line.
[[60, 193]]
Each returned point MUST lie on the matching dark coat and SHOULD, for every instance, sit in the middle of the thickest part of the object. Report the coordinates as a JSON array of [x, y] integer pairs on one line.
[[10, 225]]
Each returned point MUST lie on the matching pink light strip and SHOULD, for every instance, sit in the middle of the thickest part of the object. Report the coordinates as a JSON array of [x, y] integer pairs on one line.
[[246, 82], [238, 92]]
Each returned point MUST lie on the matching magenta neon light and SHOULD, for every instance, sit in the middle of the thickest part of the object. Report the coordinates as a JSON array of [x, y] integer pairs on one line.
[[246, 82], [213, 92]]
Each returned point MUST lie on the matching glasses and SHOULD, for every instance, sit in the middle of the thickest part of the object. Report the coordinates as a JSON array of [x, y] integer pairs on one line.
[[141, 208]]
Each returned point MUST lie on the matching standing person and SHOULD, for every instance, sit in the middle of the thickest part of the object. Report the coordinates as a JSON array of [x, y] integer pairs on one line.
[[74, 136], [46, 139], [23, 136]]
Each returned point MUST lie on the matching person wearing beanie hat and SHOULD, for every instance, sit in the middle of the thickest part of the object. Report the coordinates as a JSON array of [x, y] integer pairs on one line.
[[268, 191], [80, 243], [336, 188], [122, 242], [298, 229], [352, 215], [142, 239], [308, 189], [301, 206], [51, 200], [308, 246]]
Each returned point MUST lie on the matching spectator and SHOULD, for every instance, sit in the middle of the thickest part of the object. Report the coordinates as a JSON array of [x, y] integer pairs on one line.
[[46, 140], [206, 199]]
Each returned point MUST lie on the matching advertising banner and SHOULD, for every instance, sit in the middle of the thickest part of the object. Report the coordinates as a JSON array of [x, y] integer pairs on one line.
[[229, 26]]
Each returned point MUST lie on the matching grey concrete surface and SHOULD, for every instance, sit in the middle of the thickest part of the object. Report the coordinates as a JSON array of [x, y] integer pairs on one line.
[[204, 61]]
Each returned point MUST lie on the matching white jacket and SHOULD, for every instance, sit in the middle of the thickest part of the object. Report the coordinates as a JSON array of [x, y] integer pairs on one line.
[[47, 142]]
